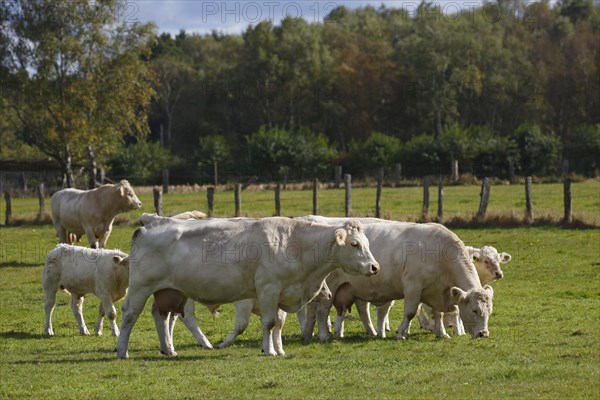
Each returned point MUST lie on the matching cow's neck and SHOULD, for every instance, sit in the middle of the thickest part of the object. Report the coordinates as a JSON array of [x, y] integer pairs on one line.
[[107, 206], [463, 273], [318, 248]]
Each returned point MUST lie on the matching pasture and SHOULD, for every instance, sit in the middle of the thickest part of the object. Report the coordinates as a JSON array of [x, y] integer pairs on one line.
[[543, 341]]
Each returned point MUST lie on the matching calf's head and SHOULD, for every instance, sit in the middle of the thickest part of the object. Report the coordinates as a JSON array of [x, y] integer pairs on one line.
[[487, 262], [475, 307], [353, 250], [127, 198]]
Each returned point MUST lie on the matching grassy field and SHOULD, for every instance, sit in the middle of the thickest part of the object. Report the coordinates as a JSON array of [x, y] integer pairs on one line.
[[543, 341]]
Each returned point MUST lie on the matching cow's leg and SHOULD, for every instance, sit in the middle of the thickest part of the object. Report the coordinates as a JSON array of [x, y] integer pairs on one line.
[[277, 342], [309, 318], [132, 308], [243, 311], [452, 319], [161, 321], [100, 320], [423, 320], [323, 322], [91, 237], [49, 301], [267, 300], [411, 303], [190, 322], [61, 232], [339, 323], [77, 307], [111, 313], [438, 325], [104, 238], [364, 312], [383, 312], [301, 314]]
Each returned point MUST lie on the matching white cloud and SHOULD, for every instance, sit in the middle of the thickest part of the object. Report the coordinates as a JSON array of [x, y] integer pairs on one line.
[[233, 16]]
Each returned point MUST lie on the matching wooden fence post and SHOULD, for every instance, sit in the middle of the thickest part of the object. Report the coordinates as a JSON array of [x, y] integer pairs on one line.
[[378, 195], [278, 200], [157, 200], [455, 174], [315, 196], [91, 168], [165, 180], [348, 199], [440, 212], [485, 198], [568, 218], [40, 192], [398, 174], [210, 196], [238, 199], [425, 213], [8, 208], [528, 201], [337, 172]]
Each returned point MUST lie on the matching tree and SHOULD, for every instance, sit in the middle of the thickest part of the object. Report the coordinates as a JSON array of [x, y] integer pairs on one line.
[[79, 75], [214, 151], [378, 152], [141, 163], [173, 75], [535, 153]]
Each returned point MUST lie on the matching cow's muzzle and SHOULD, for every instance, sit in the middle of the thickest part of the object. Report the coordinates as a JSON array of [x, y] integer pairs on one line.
[[484, 333], [374, 268]]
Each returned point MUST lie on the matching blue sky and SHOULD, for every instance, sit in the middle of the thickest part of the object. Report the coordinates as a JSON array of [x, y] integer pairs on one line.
[[233, 16]]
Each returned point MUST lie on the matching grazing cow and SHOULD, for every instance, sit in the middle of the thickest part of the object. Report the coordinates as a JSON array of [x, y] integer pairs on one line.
[[219, 261], [487, 262], [75, 212], [419, 263], [79, 271]]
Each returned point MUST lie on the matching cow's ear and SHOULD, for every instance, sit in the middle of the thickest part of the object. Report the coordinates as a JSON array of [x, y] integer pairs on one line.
[[489, 290], [457, 294], [505, 257], [123, 261], [340, 236]]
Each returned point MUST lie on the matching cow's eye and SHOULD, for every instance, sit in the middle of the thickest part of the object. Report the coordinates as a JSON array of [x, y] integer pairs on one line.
[[354, 243], [475, 311]]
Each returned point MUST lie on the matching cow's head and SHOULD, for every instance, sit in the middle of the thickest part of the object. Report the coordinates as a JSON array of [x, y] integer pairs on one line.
[[353, 250], [487, 262], [129, 200], [475, 307]]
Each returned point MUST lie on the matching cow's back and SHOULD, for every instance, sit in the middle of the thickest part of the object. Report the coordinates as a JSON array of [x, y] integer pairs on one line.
[[66, 205], [199, 258]]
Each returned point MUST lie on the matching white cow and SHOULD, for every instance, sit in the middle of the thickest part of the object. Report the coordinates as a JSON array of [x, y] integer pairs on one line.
[[217, 261], [420, 263], [75, 212], [487, 262], [79, 271]]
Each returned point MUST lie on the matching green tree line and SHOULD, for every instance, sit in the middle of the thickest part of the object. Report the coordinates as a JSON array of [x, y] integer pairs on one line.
[[499, 87]]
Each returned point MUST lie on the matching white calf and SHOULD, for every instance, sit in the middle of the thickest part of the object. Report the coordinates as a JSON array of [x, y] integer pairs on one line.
[[79, 271]]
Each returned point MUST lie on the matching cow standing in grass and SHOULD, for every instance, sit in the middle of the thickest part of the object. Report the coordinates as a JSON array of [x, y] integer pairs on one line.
[[80, 270], [419, 263], [219, 261], [75, 212]]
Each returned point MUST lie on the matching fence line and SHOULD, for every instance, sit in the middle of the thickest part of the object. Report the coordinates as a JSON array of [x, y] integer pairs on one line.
[[480, 215]]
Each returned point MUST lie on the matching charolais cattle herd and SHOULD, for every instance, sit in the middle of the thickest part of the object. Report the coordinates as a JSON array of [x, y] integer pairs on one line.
[[267, 266]]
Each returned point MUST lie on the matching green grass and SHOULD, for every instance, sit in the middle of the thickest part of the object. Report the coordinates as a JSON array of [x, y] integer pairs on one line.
[[402, 203], [543, 332]]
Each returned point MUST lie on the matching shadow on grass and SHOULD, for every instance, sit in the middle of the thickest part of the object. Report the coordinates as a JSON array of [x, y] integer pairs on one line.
[[12, 334], [19, 264]]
